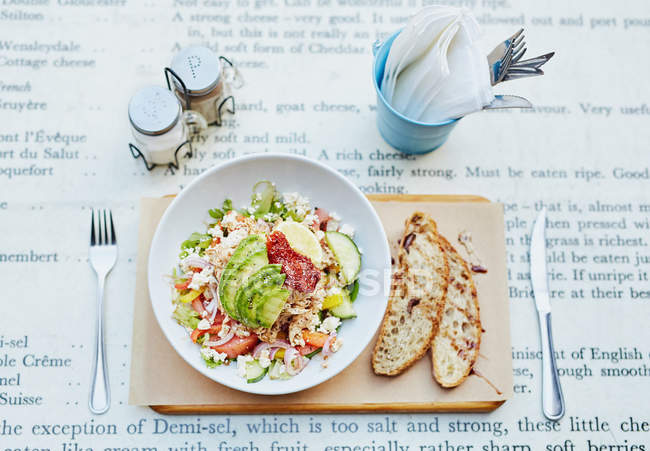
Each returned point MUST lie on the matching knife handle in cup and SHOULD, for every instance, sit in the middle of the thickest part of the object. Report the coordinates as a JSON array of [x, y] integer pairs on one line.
[[552, 399]]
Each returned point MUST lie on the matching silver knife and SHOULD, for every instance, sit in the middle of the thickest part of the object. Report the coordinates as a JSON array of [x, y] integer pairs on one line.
[[508, 101], [552, 399]]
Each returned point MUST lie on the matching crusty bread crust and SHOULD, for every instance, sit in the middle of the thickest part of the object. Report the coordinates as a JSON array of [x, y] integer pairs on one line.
[[455, 347], [417, 298]]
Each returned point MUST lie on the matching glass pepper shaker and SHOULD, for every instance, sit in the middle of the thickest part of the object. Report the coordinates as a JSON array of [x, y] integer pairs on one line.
[[204, 81], [159, 126]]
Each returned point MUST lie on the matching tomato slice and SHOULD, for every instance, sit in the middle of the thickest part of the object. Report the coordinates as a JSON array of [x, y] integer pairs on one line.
[[238, 346], [316, 339], [197, 333], [197, 304], [307, 349], [183, 285]]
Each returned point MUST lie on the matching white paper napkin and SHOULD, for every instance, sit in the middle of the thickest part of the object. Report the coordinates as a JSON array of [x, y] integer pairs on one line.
[[435, 69]]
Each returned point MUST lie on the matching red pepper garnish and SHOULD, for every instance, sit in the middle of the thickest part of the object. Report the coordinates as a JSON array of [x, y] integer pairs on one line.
[[301, 273]]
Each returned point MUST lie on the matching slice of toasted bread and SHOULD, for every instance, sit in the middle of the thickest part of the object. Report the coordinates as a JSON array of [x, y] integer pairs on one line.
[[417, 298], [456, 345]]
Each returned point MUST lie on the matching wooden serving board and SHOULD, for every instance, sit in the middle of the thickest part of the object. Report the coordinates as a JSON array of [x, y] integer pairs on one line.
[[156, 368]]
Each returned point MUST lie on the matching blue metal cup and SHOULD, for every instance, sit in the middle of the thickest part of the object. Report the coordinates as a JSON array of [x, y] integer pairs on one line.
[[402, 133]]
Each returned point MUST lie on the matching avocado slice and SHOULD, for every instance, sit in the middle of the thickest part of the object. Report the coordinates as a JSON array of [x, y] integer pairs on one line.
[[257, 285], [269, 306], [247, 247], [237, 277]]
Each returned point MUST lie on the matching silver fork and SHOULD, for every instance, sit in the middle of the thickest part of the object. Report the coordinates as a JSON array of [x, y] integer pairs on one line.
[[500, 58], [505, 61], [102, 255]]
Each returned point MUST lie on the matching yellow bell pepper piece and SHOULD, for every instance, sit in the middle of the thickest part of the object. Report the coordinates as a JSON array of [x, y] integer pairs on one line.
[[189, 297], [333, 300]]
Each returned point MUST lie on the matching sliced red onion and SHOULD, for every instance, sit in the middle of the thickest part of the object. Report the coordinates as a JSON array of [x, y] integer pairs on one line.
[[327, 347], [215, 293], [215, 300], [222, 341], [280, 344], [194, 261], [292, 355], [214, 313], [274, 347], [259, 348]]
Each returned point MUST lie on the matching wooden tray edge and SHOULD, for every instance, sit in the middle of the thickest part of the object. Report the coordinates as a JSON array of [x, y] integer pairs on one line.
[[317, 408], [236, 409]]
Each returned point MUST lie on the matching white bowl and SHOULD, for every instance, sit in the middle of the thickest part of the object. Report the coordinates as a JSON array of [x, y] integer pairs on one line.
[[325, 188]]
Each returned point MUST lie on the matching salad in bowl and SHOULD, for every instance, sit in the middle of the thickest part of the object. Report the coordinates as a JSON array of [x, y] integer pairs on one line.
[[266, 286]]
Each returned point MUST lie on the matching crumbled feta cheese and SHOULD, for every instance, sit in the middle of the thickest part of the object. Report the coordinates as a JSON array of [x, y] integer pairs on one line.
[[251, 210], [329, 324], [309, 220], [265, 359], [229, 218], [242, 360], [191, 252], [296, 202], [202, 278], [225, 329], [204, 324], [209, 353], [234, 237], [320, 234], [241, 330], [347, 229], [216, 231], [257, 196], [332, 225]]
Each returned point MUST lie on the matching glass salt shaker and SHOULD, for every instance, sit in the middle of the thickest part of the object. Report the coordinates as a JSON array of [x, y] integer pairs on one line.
[[159, 126], [204, 82]]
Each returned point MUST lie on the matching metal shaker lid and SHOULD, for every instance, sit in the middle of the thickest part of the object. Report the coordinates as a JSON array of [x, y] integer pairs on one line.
[[198, 67], [154, 110]]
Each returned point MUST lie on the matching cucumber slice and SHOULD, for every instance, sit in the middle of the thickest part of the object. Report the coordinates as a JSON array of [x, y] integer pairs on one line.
[[257, 285], [344, 310], [255, 372], [354, 290], [276, 371], [251, 265], [347, 254], [270, 305]]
